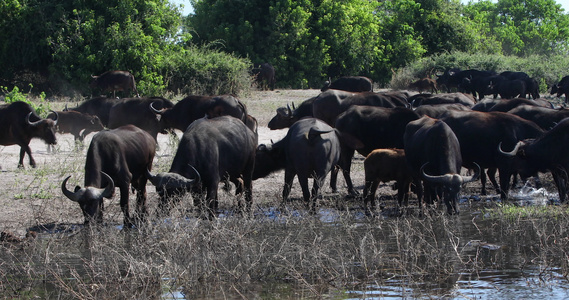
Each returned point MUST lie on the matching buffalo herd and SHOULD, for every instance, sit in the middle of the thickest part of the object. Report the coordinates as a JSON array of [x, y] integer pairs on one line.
[[421, 141]]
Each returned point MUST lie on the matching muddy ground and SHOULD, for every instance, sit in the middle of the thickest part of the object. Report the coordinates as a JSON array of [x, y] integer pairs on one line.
[[32, 197]]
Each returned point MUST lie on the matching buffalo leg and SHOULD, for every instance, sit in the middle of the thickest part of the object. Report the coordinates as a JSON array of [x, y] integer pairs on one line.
[[124, 205], [369, 193], [345, 164], [289, 177], [403, 193], [211, 200], [560, 178], [23, 150], [247, 183], [504, 184]]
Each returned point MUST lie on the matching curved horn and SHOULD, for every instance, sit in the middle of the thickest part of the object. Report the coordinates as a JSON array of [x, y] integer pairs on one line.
[[69, 194], [29, 122], [293, 108], [156, 111], [432, 178], [56, 116], [198, 178], [110, 188], [511, 153], [151, 177], [289, 110], [466, 179]]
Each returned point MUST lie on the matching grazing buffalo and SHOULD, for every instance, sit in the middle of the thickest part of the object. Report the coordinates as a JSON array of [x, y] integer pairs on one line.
[[384, 165], [508, 89], [264, 75], [285, 116], [532, 88], [114, 81], [99, 106], [447, 98], [193, 107], [511, 75], [366, 128], [547, 153], [505, 105], [118, 157], [448, 79], [76, 123], [480, 133], [424, 84], [433, 153], [311, 148], [562, 87], [456, 78], [350, 84], [219, 148], [139, 112], [19, 123], [481, 86], [437, 111], [328, 105]]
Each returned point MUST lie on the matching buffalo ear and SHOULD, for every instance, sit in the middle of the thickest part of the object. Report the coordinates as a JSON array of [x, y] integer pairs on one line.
[[76, 188]]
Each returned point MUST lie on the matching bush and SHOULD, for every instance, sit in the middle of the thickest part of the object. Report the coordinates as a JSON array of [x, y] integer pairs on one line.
[[41, 106]]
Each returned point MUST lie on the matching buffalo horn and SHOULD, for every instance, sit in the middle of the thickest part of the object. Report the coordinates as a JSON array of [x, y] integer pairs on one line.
[[108, 191], [56, 116], [30, 122], [156, 111], [72, 196], [511, 153], [293, 108], [151, 177], [289, 110], [474, 177], [198, 177]]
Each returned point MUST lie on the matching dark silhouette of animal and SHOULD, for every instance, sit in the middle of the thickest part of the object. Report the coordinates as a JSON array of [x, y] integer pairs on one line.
[[505, 105], [433, 153], [193, 107], [99, 106], [19, 123], [384, 165], [118, 157], [562, 87], [546, 118], [479, 134], [310, 149], [138, 112], [509, 89], [350, 84], [448, 79], [76, 123], [437, 111], [455, 79], [329, 104], [114, 81], [264, 75], [366, 128], [482, 85], [424, 84], [218, 148], [444, 98], [286, 116]]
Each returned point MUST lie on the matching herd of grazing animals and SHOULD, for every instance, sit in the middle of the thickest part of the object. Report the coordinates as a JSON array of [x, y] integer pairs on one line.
[[420, 140]]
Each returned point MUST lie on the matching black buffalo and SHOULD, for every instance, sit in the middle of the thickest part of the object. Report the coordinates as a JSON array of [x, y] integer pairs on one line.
[[311, 148], [448, 79], [546, 118], [218, 148], [118, 157], [437, 111], [445, 98], [99, 106], [366, 128], [480, 133], [19, 123], [286, 116], [114, 81], [562, 87], [264, 75], [505, 105], [193, 107], [138, 112], [433, 153], [547, 153], [350, 84], [76, 123]]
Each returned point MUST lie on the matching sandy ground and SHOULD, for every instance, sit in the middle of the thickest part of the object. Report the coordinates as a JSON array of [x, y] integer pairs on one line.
[[30, 197]]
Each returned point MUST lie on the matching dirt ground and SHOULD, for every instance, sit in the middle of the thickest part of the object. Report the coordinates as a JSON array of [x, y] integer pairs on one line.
[[30, 197]]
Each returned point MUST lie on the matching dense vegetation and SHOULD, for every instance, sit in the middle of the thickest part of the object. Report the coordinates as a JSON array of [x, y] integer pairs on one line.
[[58, 45]]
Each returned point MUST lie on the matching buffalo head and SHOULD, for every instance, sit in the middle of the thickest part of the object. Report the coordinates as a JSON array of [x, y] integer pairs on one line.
[[90, 198], [171, 184], [44, 128]]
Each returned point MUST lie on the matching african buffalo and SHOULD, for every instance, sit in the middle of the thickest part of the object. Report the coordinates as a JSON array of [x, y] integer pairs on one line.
[[437, 111], [218, 148], [286, 116], [264, 75], [547, 153], [505, 105], [76, 123], [350, 84], [508, 89], [366, 128], [562, 87], [114, 81], [310, 149], [424, 84], [546, 118], [479, 134], [384, 165], [448, 79], [193, 107], [445, 98], [433, 153], [19, 123], [138, 112], [120, 157], [99, 106]]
